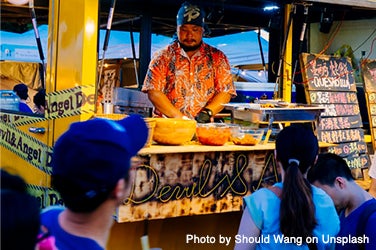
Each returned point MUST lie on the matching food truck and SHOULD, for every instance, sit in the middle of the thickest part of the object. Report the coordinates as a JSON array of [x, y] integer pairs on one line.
[[183, 196]]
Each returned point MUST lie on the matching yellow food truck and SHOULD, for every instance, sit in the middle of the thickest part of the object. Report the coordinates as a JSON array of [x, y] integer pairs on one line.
[[70, 79]]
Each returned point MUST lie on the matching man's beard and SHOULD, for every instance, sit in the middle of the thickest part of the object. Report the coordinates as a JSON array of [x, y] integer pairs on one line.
[[190, 48]]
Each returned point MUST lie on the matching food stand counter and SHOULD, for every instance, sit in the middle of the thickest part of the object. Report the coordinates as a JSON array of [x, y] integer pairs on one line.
[[192, 179], [191, 189]]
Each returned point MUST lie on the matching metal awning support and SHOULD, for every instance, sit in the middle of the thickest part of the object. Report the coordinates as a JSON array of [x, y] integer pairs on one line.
[[261, 52], [105, 46], [134, 56], [282, 55], [301, 39], [37, 38]]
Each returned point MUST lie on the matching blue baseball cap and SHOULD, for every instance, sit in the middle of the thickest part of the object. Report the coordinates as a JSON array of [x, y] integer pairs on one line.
[[190, 14], [96, 153]]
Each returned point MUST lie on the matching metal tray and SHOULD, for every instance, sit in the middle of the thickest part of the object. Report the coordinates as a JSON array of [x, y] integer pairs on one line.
[[293, 112]]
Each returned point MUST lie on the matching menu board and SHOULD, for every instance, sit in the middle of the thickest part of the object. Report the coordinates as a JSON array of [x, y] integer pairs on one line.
[[369, 77], [329, 82]]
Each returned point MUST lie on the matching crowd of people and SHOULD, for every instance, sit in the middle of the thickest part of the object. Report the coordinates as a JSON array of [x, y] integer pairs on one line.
[[317, 196], [90, 171], [39, 99], [188, 79]]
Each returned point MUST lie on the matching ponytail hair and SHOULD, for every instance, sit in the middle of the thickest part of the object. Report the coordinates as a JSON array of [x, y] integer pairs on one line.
[[297, 148]]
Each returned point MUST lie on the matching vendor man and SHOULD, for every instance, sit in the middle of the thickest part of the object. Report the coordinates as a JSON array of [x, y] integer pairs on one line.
[[189, 78]]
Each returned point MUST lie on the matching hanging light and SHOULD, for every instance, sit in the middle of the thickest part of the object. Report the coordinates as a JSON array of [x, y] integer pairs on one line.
[[18, 2]]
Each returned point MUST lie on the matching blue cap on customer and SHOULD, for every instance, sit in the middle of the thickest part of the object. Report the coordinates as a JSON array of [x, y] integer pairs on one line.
[[96, 153], [190, 14]]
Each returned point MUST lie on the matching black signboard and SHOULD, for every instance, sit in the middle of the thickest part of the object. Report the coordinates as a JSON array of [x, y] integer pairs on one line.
[[329, 82]]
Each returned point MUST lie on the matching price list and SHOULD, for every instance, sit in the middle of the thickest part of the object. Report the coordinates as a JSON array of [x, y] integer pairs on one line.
[[329, 82]]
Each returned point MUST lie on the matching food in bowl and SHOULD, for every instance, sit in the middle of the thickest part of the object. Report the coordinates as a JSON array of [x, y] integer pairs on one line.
[[173, 131], [246, 136], [215, 134]]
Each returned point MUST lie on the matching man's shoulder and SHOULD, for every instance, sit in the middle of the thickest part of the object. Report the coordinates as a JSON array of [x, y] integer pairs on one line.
[[25, 108], [207, 46], [371, 206], [166, 51], [369, 203], [52, 211]]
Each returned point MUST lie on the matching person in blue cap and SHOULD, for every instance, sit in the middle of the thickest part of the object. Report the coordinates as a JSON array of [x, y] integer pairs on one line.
[[188, 78], [90, 165]]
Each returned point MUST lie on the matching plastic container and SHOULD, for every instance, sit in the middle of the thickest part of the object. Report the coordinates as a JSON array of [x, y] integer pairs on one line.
[[9, 100], [246, 136], [214, 134], [173, 131]]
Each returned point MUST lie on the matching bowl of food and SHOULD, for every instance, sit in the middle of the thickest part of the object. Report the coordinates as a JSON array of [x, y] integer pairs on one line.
[[215, 134], [173, 131], [246, 136]]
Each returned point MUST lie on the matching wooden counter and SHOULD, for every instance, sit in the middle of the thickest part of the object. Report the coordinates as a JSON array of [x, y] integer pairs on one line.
[[193, 179], [193, 147], [191, 189]]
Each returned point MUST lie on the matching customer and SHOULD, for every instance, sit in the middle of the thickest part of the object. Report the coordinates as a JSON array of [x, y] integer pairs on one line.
[[189, 78], [22, 91], [39, 100], [90, 165], [332, 174], [20, 214], [293, 208]]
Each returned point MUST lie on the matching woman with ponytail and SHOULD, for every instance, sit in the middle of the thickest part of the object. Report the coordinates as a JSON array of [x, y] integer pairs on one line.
[[291, 214]]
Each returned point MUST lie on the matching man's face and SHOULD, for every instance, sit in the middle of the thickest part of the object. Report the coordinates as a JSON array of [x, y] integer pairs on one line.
[[190, 36], [335, 192]]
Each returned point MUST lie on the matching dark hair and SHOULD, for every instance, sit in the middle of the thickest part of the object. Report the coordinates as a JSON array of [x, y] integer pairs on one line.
[[21, 90], [77, 199], [39, 98], [20, 214], [297, 148], [327, 168]]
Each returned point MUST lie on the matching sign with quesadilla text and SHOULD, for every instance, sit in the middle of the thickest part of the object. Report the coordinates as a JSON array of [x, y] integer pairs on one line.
[[329, 82]]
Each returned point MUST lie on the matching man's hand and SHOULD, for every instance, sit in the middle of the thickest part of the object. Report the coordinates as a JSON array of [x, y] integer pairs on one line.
[[204, 116]]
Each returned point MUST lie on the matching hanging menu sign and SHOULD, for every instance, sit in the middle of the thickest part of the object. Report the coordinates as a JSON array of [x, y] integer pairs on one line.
[[329, 82], [369, 77]]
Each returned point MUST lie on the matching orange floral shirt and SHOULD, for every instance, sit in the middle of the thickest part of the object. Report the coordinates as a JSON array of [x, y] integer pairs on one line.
[[189, 83]]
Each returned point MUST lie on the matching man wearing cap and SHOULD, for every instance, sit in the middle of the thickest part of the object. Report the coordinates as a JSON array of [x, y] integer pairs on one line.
[[90, 165], [22, 92], [189, 78]]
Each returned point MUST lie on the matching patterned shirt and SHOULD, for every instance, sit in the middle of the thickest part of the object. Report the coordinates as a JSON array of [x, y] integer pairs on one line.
[[189, 83]]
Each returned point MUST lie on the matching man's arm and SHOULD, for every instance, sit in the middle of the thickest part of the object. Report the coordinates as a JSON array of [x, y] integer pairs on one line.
[[216, 105], [163, 104]]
